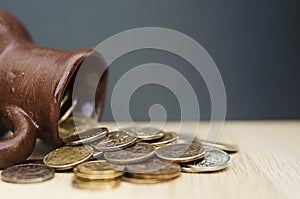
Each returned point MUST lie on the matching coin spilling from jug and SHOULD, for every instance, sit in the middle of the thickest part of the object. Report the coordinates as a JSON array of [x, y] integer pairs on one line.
[[101, 159]]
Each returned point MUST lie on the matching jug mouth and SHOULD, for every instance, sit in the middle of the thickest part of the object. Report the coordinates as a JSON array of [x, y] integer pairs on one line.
[[84, 89]]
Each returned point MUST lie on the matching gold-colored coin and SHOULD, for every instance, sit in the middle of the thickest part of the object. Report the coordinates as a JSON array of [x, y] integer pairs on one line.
[[167, 138], [68, 157], [129, 178], [76, 124], [27, 173], [80, 183], [66, 107], [132, 154], [86, 136], [181, 152], [158, 177], [68, 112], [152, 171], [99, 167], [115, 140], [97, 176], [65, 99]]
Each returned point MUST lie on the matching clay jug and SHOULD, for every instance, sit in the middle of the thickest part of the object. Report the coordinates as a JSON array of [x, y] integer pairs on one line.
[[34, 80]]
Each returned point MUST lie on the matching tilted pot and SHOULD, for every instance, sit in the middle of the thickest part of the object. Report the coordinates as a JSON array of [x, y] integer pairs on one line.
[[34, 80]]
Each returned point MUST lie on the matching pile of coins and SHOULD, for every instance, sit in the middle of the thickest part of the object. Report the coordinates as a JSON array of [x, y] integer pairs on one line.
[[100, 159]]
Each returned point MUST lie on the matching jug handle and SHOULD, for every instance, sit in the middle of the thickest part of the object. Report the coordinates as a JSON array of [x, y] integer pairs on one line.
[[16, 149]]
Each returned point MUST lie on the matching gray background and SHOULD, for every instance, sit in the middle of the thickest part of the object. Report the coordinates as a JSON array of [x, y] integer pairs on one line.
[[255, 45]]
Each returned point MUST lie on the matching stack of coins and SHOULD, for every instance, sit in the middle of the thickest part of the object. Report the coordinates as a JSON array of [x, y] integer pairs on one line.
[[97, 175]]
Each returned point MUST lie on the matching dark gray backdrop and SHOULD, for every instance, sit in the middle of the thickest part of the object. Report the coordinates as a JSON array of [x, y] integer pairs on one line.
[[255, 45]]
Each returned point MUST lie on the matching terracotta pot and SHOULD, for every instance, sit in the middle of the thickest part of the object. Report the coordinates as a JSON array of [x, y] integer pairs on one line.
[[34, 80]]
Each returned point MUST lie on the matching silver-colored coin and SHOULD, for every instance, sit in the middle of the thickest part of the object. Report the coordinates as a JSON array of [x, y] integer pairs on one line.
[[115, 140], [27, 173], [135, 153], [181, 152], [214, 160], [86, 136], [145, 133]]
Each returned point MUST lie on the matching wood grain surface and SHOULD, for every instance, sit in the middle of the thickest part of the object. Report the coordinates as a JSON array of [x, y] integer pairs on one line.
[[267, 166]]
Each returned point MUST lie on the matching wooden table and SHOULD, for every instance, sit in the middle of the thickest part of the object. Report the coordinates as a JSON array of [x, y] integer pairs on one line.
[[267, 166]]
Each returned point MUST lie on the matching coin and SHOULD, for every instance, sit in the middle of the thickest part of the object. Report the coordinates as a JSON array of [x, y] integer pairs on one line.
[[100, 167], [153, 171], [155, 167], [76, 124], [145, 133], [167, 172], [65, 106], [65, 99], [97, 176], [168, 137], [33, 161], [86, 136], [27, 173], [130, 179], [214, 160], [98, 155], [181, 152], [80, 183], [132, 154], [115, 140], [222, 146], [68, 112], [67, 157], [157, 177]]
